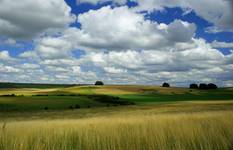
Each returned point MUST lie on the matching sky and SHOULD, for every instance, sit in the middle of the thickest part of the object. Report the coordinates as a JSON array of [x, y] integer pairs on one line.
[[117, 41]]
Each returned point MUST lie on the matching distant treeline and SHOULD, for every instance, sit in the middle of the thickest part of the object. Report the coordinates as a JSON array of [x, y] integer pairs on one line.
[[33, 85]]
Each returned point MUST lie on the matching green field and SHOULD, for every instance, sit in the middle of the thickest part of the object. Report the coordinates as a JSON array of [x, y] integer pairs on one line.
[[115, 117], [16, 99]]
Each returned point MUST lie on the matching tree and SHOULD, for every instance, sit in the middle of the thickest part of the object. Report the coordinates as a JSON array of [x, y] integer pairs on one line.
[[165, 85], [212, 86], [193, 86], [99, 83], [203, 86]]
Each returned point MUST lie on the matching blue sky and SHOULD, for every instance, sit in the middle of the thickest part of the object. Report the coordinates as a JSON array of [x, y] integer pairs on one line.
[[117, 41]]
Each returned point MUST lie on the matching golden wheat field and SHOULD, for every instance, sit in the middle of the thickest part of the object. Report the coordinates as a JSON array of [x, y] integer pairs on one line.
[[175, 126]]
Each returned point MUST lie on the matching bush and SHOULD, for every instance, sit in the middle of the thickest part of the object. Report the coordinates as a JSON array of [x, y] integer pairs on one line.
[[111, 100], [71, 107], [212, 86], [77, 106], [165, 85], [99, 83], [203, 86], [46, 108], [10, 95], [41, 95], [193, 86]]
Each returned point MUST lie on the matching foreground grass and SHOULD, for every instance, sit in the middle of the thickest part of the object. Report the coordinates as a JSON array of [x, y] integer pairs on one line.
[[174, 126]]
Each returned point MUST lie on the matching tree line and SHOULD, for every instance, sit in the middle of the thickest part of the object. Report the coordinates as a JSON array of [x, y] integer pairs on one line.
[[202, 86]]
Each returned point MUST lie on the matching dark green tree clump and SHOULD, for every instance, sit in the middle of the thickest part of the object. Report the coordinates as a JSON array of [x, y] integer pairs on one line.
[[212, 86], [99, 83], [209, 86], [203, 86], [193, 86], [165, 85]]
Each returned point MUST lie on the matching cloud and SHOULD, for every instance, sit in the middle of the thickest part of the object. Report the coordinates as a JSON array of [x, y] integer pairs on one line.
[[101, 1], [48, 47], [180, 31], [46, 70], [229, 59], [218, 12], [114, 70], [26, 19], [198, 63], [121, 46], [53, 47], [5, 57], [8, 69], [30, 66], [217, 44], [29, 55], [122, 29], [200, 57]]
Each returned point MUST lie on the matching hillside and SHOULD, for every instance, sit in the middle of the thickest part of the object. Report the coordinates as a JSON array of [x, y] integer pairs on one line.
[[76, 97]]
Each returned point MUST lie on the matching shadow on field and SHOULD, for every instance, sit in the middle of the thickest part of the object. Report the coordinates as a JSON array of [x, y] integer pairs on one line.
[[114, 100], [48, 101], [110, 100]]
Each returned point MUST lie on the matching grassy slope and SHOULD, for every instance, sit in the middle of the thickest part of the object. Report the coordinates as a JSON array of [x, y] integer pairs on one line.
[[184, 125], [40, 102], [86, 96], [151, 94], [161, 108]]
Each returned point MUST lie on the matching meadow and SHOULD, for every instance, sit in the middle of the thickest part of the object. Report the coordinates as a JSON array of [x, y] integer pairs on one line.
[[116, 117], [31, 99]]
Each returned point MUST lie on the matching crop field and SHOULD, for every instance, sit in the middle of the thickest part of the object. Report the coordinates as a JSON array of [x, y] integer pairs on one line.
[[23, 99], [115, 117]]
